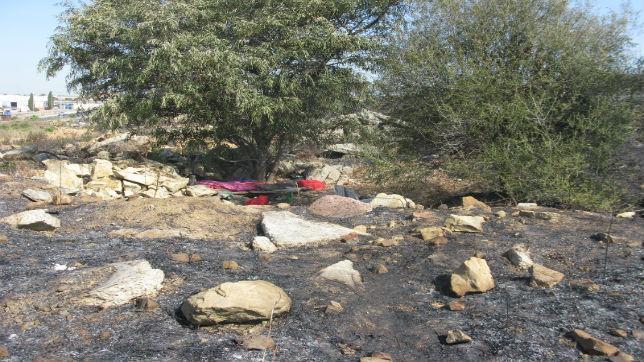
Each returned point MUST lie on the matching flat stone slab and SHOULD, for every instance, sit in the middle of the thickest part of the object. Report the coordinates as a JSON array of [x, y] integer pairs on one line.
[[125, 281], [286, 229]]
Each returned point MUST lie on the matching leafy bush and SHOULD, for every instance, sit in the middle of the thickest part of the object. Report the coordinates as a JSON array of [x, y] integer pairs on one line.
[[530, 98]]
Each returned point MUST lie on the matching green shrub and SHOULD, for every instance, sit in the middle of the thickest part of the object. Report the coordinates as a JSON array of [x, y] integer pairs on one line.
[[530, 98]]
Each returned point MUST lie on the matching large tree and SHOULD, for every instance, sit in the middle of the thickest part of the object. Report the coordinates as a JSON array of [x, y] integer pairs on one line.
[[531, 97], [259, 74]]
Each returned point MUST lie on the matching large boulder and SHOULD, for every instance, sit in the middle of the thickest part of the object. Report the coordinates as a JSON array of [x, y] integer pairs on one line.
[[339, 207], [240, 302], [38, 220], [125, 281], [342, 272], [473, 276], [63, 175], [465, 224], [286, 229]]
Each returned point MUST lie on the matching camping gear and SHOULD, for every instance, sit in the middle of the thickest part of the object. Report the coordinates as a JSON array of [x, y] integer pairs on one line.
[[312, 185]]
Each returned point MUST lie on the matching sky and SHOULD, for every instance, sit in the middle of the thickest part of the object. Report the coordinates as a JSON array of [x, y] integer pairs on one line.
[[26, 26]]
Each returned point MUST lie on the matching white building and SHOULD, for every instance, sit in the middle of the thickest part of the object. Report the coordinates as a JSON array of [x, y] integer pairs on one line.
[[20, 103]]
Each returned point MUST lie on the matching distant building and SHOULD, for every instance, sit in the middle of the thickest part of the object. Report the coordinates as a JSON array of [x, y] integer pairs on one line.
[[20, 103]]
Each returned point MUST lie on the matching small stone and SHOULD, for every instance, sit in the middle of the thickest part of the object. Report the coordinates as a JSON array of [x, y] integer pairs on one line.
[[501, 214], [342, 272], [456, 337], [263, 244], [283, 206], [456, 305], [519, 256], [392, 224], [603, 237], [3, 238], [584, 285], [258, 342], [527, 205], [479, 254], [334, 308], [466, 224], [389, 242], [626, 215], [389, 201], [591, 345], [473, 275], [618, 333], [195, 258], [377, 357], [231, 265], [362, 229], [436, 304], [146, 303], [200, 191], [543, 277], [381, 269], [431, 232], [470, 202], [183, 258], [443, 207]]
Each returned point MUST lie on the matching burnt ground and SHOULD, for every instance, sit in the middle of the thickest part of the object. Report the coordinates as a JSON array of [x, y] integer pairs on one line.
[[393, 313]]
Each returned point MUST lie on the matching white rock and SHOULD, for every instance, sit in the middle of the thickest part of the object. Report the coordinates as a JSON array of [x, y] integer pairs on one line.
[[37, 195], [626, 215], [466, 224], [519, 256], [38, 220], [160, 193], [200, 191], [174, 184], [129, 280], [62, 174], [141, 176], [102, 169], [131, 188], [527, 205], [286, 229], [263, 244], [81, 169], [342, 272], [391, 201]]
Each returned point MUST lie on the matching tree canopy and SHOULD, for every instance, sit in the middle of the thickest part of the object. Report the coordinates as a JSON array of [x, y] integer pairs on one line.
[[259, 74], [531, 97]]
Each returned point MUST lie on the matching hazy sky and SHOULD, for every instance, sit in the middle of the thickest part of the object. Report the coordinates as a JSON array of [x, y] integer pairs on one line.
[[26, 26]]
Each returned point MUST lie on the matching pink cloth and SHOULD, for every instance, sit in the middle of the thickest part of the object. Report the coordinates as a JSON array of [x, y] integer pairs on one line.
[[234, 186]]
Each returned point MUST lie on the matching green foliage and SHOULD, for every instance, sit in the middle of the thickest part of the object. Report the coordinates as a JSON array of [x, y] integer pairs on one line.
[[50, 100], [531, 98], [30, 102], [258, 74]]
